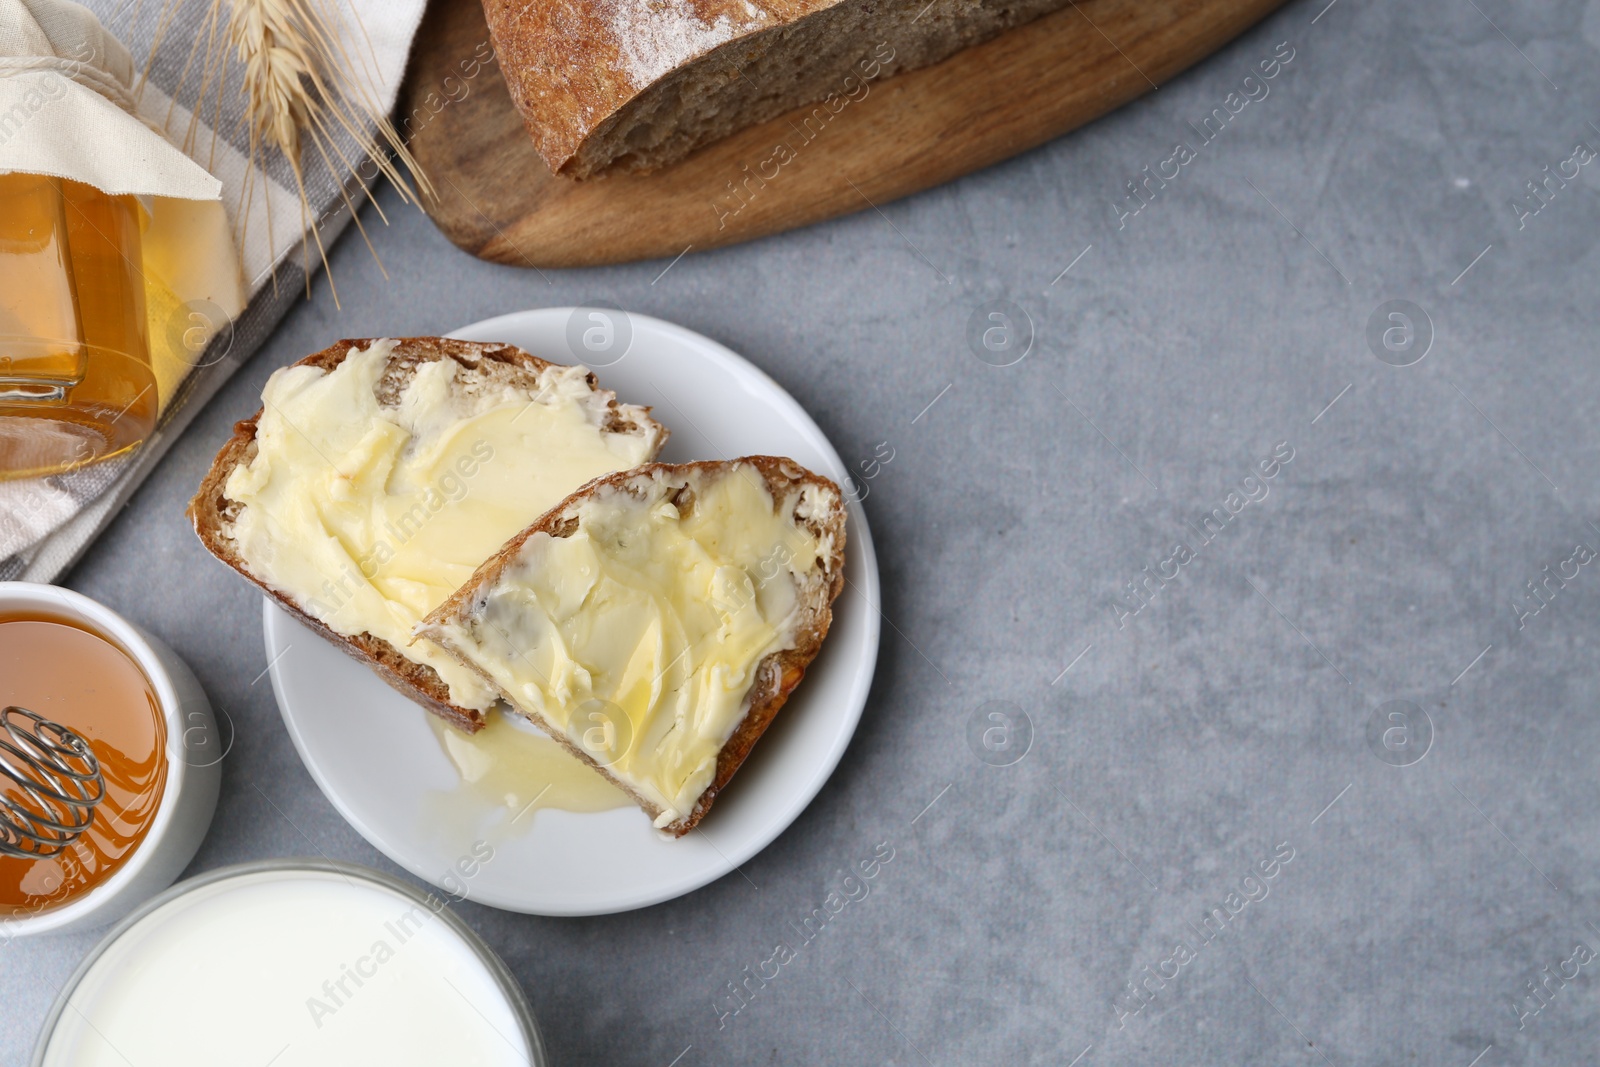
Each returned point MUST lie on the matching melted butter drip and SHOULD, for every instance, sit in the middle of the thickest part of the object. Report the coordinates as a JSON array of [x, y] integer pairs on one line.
[[509, 772]]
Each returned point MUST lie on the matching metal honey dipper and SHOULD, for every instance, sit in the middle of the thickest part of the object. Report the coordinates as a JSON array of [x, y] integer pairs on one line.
[[50, 784]]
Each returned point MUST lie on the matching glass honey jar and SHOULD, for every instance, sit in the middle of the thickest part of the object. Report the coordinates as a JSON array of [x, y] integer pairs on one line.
[[76, 384]]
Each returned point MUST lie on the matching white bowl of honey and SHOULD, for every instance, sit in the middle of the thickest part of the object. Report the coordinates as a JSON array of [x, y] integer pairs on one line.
[[142, 714]]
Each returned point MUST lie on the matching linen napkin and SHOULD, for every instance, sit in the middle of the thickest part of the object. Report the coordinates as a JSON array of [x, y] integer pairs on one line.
[[205, 317]]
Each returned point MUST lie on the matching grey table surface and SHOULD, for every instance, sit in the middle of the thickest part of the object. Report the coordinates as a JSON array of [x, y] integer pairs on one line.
[[1428, 872]]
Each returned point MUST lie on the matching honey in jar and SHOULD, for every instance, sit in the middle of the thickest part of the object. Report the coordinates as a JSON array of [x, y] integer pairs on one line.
[[76, 384], [83, 681]]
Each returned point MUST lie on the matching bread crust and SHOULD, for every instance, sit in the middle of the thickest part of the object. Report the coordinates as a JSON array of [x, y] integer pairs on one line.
[[777, 674], [635, 85], [212, 512], [567, 68]]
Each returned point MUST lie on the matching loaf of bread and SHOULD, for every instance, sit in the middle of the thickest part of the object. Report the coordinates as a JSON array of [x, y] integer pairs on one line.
[[414, 473], [638, 84], [656, 621]]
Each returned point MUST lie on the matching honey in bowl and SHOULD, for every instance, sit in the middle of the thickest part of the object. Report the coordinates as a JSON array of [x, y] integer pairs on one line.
[[82, 680]]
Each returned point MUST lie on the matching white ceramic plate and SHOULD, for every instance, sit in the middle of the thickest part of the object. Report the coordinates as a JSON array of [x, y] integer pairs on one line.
[[378, 760]]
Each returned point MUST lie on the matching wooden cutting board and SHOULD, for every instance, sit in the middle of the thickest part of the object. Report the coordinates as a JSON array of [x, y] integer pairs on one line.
[[497, 200]]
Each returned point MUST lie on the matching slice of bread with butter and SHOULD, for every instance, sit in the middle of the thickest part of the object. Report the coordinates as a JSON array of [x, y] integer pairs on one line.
[[380, 474], [656, 621]]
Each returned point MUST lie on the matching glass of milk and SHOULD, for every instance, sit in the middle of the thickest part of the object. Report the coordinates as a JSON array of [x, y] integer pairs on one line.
[[295, 963]]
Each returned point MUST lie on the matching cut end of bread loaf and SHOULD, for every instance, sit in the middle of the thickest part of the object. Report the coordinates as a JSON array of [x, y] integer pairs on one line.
[[214, 514], [634, 85], [816, 507]]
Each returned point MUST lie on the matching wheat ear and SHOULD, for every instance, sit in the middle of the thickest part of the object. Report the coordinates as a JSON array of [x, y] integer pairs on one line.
[[301, 85]]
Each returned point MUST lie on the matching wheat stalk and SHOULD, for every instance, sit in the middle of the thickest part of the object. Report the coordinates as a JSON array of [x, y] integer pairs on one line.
[[277, 61], [301, 87]]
